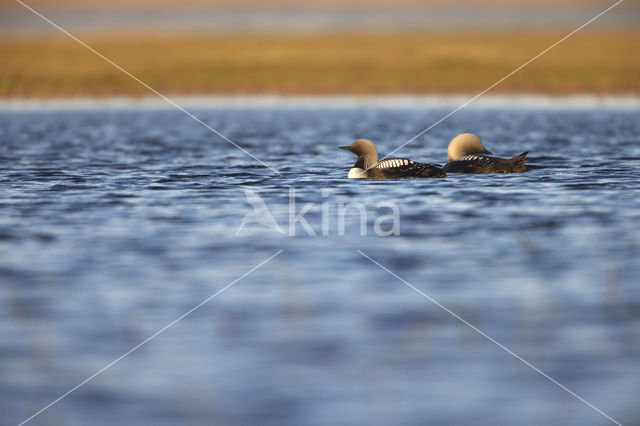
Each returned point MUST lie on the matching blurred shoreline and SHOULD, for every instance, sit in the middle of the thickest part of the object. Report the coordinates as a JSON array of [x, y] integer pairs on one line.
[[598, 62], [284, 102]]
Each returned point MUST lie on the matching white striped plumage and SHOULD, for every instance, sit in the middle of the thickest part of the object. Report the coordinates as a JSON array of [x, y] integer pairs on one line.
[[394, 162], [479, 160]]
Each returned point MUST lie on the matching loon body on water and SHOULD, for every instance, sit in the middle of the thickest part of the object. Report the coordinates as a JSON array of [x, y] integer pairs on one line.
[[368, 167], [466, 155]]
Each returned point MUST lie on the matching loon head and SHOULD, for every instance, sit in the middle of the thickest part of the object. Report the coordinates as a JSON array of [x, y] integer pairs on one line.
[[366, 152], [465, 144]]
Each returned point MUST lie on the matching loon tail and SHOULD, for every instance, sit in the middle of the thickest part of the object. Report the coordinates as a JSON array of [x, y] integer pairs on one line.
[[517, 163]]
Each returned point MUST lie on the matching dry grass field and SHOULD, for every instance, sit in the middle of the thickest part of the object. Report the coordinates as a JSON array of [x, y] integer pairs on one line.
[[600, 62]]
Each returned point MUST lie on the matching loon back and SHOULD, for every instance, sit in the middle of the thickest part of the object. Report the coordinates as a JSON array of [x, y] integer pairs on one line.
[[484, 164], [395, 168]]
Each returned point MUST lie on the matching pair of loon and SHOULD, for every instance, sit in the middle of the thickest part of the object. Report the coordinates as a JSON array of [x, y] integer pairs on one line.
[[465, 152]]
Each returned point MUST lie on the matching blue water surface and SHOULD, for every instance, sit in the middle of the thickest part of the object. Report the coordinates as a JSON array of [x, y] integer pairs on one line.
[[114, 223]]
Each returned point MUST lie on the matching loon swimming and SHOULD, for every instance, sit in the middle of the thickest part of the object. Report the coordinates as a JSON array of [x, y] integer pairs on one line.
[[465, 154], [368, 167]]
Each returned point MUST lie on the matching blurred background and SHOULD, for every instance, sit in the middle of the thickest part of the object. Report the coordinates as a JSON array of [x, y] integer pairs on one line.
[[310, 47], [116, 221]]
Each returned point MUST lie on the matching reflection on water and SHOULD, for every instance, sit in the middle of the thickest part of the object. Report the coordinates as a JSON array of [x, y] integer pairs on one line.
[[114, 223]]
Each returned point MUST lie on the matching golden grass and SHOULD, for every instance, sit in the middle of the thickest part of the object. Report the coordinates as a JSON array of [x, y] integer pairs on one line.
[[590, 62]]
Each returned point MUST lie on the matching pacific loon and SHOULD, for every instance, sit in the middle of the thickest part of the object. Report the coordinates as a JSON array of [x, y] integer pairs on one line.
[[466, 155], [368, 167]]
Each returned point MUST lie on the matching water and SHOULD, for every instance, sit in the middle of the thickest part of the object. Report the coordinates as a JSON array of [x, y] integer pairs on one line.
[[116, 222]]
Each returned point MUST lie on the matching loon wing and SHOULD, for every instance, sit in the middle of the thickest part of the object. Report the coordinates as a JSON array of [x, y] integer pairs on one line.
[[393, 168]]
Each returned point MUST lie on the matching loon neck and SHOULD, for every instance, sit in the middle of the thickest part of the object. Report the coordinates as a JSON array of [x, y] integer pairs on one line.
[[366, 161]]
